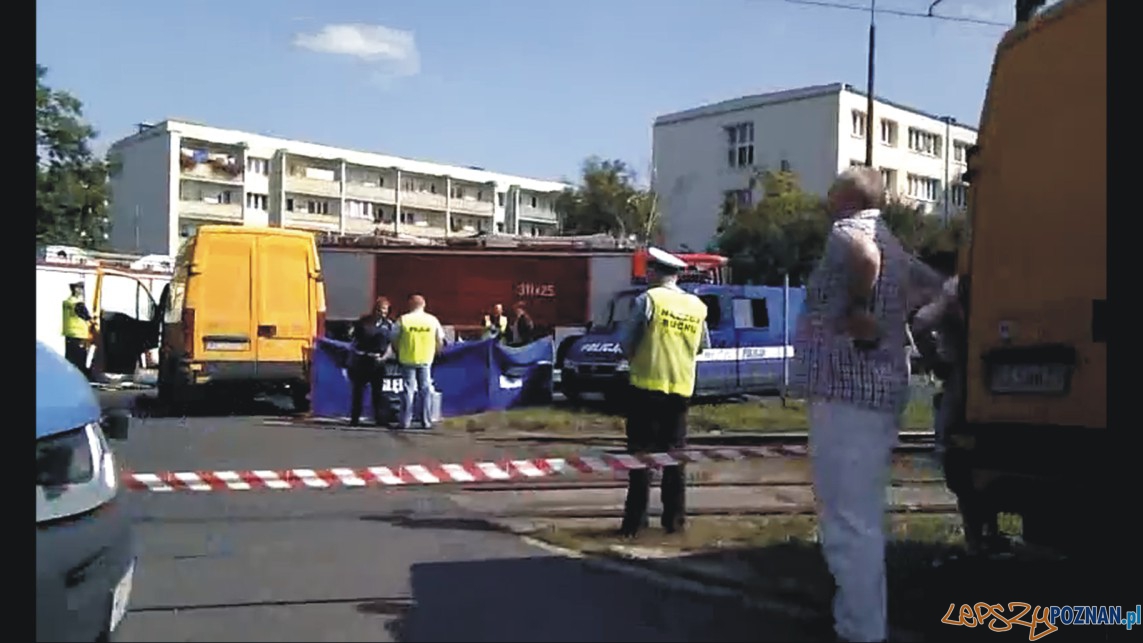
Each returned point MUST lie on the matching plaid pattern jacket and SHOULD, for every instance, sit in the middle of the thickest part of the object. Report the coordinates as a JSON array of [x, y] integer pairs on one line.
[[826, 364]]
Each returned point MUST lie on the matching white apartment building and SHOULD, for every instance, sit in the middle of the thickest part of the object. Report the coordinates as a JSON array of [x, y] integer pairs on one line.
[[706, 155], [168, 178]]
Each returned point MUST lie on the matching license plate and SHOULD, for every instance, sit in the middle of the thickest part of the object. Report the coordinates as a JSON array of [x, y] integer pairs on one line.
[[226, 346], [392, 385], [121, 596], [1029, 378]]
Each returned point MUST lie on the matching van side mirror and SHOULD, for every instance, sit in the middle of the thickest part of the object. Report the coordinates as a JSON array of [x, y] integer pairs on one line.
[[115, 425]]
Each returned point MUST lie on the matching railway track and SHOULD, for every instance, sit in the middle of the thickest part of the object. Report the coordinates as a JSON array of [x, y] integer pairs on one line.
[[572, 485]]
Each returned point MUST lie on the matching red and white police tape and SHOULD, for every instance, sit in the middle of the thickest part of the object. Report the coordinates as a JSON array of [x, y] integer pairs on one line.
[[431, 474]]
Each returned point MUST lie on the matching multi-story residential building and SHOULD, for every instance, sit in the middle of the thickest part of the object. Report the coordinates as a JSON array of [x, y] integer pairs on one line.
[[168, 178], [708, 155]]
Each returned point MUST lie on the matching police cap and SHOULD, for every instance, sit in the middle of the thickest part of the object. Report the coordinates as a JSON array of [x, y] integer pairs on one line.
[[664, 261], [76, 284]]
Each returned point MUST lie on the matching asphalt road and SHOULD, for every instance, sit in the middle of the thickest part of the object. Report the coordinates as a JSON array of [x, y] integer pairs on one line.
[[369, 565]]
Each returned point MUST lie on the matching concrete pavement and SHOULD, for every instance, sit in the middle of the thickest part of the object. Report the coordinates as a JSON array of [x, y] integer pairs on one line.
[[372, 565]]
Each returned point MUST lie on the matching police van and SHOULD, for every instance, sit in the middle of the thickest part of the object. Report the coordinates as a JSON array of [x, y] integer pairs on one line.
[[751, 334]]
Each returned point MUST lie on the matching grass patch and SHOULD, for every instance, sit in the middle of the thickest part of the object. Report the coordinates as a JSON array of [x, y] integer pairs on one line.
[[751, 416], [706, 533]]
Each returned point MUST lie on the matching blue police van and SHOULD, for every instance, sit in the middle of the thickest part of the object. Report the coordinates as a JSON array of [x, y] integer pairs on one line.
[[751, 331]]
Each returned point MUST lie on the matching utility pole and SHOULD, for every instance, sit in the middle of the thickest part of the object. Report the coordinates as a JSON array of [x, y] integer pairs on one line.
[[869, 89]]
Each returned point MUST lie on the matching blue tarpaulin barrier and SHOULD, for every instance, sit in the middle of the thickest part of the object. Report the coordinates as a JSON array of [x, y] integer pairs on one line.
[[472, 377]]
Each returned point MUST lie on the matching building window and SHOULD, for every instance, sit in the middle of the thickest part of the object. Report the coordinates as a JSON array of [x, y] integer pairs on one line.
[[740, 144], [857, 119], [500, 199], [960, 151], [458, 191], [889, 180], [256, 201], [888, 132], [359, 210], [924, 142], [958, 194], [289, 205], [407, 185], [739, 199], [924, 188], [784, 165], [317, 207], [407, 217], [257, 166], [856, 163], [480, 195], [535, 202]]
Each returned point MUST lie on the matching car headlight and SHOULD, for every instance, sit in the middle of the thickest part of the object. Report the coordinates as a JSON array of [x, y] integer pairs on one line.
[[75, 472], [623, 365]]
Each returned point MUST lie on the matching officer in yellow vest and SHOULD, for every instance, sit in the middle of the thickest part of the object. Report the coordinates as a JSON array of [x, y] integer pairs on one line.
[[661, 345], [417, 337], [76, 328]]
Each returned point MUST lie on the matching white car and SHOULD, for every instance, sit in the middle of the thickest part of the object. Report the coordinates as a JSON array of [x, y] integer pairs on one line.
[[85, 552]]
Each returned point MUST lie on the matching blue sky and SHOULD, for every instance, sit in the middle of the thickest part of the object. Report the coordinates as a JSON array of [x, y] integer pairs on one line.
[[528, 87]]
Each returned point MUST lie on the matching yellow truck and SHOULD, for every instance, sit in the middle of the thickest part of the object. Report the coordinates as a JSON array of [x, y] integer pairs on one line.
[[242, 311], [1035, 439]]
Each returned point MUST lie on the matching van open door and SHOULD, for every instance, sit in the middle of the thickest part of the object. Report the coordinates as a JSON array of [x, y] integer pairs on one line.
[[126, 325]]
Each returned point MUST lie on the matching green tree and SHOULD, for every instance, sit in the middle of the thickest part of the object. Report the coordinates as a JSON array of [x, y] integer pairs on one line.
[[781, 234], [608, 200], [71, 182]]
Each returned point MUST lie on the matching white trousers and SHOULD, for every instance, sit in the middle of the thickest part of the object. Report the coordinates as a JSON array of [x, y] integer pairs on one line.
[[850, 450]]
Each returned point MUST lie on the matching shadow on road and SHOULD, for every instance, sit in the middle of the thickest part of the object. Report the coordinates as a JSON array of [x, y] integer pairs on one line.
[[562, 599], [409, 521], [147, 405], [926, 579]]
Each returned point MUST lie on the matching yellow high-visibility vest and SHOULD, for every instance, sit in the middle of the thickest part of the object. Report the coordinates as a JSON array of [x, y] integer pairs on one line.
[[664, 361], [417, 338], [74, 327]]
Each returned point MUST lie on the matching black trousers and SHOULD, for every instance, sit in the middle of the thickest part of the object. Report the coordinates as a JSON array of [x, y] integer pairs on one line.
[[75, 351], [656, 422], [367, 371]]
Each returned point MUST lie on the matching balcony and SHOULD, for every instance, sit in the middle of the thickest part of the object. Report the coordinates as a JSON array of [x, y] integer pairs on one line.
[[213, 171], [423, 200], [307, 221], [472, 206], [318, 187], [537, 214], [365, 192], [357, 225], [228, 212]]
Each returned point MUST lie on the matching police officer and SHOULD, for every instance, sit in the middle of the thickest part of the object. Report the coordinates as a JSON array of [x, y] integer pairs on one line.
[[372, 335], [76, 328], [417, 337], [661, 345]]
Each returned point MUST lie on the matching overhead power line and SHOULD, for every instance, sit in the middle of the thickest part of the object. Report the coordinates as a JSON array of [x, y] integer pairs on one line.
[[897, 12]]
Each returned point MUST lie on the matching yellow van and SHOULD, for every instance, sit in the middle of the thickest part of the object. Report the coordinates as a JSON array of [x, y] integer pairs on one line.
[[241, 312], [1035, 438]]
